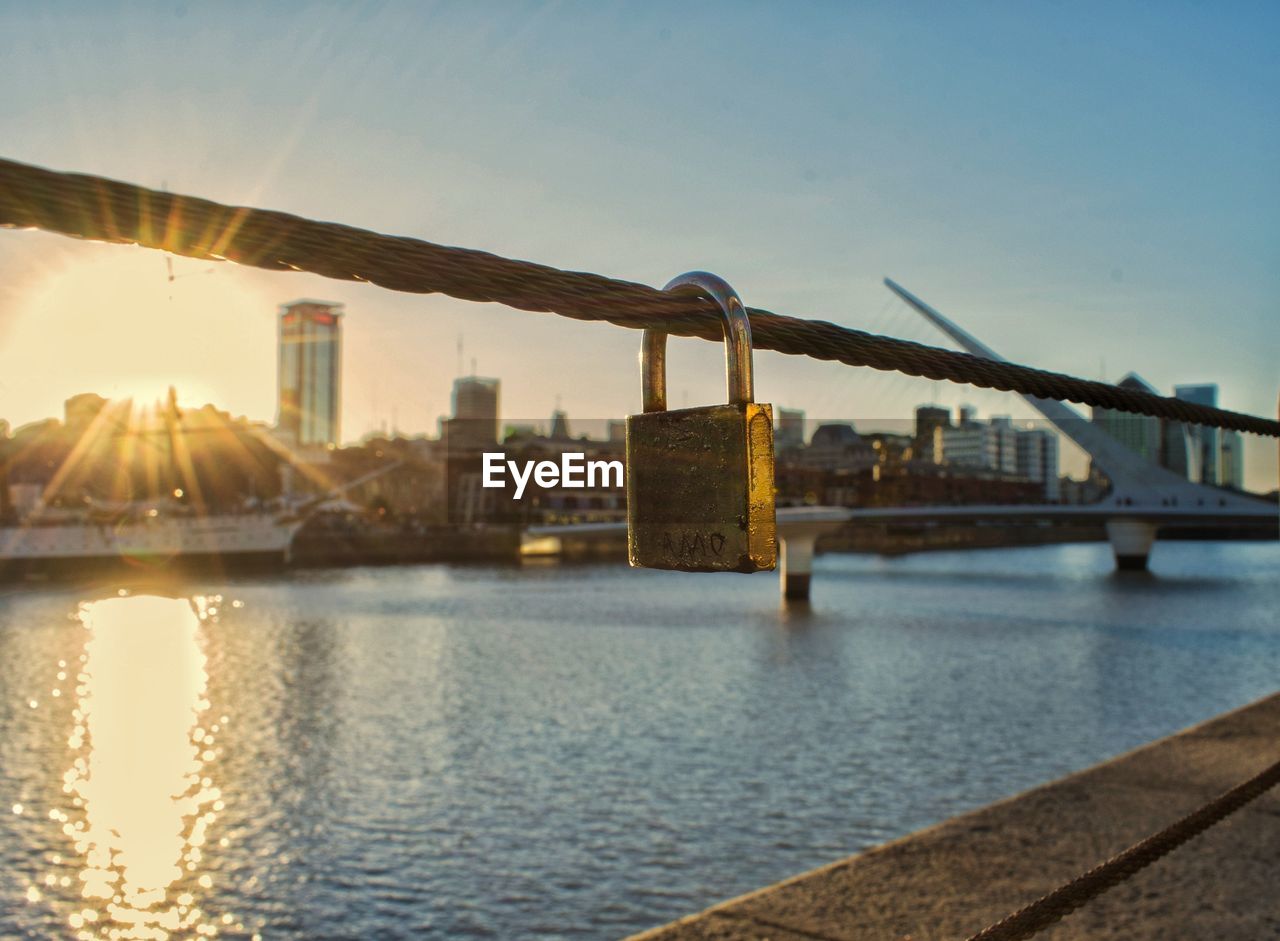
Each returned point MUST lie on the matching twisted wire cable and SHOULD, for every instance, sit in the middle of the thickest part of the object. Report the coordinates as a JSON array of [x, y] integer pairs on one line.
[[95, 208], [1064, 900]]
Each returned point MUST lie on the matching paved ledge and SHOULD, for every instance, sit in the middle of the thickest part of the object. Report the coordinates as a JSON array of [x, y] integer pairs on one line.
[[953, 879]]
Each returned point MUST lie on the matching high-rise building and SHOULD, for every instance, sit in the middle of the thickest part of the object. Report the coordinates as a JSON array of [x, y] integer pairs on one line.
[[1141, 433], [1208, 440], [931, 422], [1006, 444], [988, 446], [929, 417], [1231, 473], [1179, 449], [310, 373], [473, 428], [475, 413], [1038, 460], [788, 432]]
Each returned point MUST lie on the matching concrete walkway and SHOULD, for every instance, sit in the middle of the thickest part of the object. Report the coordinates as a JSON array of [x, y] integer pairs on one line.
[[952, 880]]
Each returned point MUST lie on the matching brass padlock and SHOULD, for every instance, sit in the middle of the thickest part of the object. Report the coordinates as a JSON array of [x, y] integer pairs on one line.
[[700, 480]]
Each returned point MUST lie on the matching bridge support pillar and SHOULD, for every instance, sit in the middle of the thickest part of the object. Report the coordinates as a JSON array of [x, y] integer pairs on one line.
[[796, 566], [1131, 541]]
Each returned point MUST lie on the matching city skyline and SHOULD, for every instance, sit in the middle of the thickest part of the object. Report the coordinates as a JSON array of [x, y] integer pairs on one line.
[[1111, 207], [309, 359], [961, 442]]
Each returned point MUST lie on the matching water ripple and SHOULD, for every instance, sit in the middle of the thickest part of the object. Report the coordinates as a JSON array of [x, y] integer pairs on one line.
[[567, 752]]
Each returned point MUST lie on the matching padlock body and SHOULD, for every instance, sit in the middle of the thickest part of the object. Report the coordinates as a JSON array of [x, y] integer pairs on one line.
[[700, 489]]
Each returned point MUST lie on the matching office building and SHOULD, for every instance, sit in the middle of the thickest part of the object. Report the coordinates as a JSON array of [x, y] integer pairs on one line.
[[987, 446], [1140, 433], [1207, 441], [788, 432], [1231, 470], [1006, 444], [1038, 460], [1179, 449], [310, 373], [929, 417], [931, 422], [475, 413], [836, 447]]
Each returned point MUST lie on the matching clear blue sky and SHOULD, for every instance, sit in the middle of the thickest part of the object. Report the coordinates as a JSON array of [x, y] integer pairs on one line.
[[1088, 187]]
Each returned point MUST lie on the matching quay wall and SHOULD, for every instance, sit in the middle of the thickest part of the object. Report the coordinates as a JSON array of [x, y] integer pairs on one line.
[[953, 879]]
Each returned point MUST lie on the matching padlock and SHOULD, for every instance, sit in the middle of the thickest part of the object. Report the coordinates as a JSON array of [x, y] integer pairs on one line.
[[700, 480]]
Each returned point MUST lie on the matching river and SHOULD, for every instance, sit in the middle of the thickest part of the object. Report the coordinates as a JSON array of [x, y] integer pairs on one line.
[[567, 751]]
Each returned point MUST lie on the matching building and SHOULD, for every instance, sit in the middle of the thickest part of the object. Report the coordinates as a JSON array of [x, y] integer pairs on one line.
[[930, 417], [310, 373], [1173, 445], [1207, 441], [788, 432], [836, 447], [470, 431], [986, 446], [1179, 449], [1006, 444], [1038, 460], [893, 452], [474, 423], [1140, 433], [1231, 471], [82, 410], [931, 422], [598, 498]]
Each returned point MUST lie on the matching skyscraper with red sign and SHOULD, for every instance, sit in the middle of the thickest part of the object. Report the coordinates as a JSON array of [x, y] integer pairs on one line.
[[310, 377]]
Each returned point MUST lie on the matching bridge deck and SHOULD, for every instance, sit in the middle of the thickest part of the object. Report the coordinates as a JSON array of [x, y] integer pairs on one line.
[[1164, 516]]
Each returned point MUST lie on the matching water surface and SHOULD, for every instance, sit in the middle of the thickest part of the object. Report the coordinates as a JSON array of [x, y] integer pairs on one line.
[[567, 752]]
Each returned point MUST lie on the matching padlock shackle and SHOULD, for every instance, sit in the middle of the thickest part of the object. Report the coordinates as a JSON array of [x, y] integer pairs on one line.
[[737, 343]]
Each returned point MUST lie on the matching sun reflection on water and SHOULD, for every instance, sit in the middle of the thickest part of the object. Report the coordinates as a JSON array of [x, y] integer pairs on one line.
[[141, 788]]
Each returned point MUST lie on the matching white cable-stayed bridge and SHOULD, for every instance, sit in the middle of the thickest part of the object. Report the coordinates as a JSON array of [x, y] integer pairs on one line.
[[1144, 498]]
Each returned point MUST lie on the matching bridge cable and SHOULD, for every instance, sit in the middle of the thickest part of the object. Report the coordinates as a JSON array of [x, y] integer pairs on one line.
[[100, 209], [1067, 898]]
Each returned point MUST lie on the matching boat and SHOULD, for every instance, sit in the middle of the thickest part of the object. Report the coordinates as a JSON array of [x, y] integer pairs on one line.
[[147, 538], [157, 535]]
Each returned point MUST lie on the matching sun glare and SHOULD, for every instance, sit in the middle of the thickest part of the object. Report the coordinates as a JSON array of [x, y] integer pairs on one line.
[[141, 786], [129, 323]]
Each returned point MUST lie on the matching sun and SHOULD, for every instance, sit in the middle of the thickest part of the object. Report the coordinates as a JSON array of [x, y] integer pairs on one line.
[[127, 322]]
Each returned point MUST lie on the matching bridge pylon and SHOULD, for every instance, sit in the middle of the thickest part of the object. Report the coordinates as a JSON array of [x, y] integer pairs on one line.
[[1131, 541], [798, 530], [1142, 492]]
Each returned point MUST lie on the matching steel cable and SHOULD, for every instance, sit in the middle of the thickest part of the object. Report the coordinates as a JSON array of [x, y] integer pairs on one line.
[[1063, 901], [95, 208]]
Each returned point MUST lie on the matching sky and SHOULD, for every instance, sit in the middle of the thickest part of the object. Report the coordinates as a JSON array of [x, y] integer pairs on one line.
[[1089, 188]]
